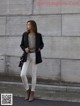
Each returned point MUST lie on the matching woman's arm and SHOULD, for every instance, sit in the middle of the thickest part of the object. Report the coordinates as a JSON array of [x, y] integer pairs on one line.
[[22, 43], [41, 42]]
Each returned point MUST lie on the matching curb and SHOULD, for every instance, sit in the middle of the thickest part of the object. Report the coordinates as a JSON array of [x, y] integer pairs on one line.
[[48, 87]]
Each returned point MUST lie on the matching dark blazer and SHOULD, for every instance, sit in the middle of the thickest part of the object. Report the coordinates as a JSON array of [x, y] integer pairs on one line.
[[24, 44]]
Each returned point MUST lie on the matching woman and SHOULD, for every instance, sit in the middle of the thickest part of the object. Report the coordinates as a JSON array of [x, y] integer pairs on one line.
[[31, 44]]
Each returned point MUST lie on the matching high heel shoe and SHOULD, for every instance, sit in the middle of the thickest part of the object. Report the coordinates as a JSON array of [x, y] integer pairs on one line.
[[31, 97], [27, 94]]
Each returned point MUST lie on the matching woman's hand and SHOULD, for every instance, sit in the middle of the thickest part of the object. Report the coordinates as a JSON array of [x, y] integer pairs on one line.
[[27, 50], [39, 49]]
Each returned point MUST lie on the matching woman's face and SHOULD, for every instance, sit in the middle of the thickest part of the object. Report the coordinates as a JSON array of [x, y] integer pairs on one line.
[[29, 27]]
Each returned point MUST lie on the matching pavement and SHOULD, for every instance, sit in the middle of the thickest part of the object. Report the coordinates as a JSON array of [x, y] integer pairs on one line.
[[19, 101], [44, 92], [45, 95]]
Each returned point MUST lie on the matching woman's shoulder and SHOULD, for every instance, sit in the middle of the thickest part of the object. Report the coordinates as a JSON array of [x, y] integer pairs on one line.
[[38, 33], [24, 33]]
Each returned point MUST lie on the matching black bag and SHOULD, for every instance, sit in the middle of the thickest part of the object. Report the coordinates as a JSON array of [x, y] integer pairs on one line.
[[21, 61]]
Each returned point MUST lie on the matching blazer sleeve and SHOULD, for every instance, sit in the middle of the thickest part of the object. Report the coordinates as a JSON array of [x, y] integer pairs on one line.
[[41, 42], [22, 43]]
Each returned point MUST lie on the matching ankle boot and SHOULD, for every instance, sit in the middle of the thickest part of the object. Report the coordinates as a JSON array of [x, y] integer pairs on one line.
[[31, 97], [27, 94]]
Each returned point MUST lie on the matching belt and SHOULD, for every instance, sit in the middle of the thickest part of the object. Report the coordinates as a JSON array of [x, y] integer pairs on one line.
[[31, 52]]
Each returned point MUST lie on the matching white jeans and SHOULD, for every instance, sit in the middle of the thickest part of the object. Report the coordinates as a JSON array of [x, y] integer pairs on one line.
[[30, 59]]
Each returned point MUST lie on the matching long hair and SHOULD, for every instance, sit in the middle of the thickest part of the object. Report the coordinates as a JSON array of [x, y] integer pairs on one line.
[[33, 25]]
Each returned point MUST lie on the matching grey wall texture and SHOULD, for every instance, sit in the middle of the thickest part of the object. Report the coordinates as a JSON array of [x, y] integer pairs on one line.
[[60, 28]]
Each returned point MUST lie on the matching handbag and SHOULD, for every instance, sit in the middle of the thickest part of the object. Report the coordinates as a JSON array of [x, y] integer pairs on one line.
[[21, 61]]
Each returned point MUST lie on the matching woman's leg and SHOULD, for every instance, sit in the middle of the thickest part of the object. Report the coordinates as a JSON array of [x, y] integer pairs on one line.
[[24, 72], [34, 71]]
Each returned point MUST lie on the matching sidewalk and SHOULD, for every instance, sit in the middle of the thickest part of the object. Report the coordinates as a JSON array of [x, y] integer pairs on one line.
[[44, 92], [45, 89]]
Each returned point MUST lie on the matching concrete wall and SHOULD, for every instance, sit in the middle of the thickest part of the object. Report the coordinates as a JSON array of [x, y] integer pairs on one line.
[[60, 27]]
